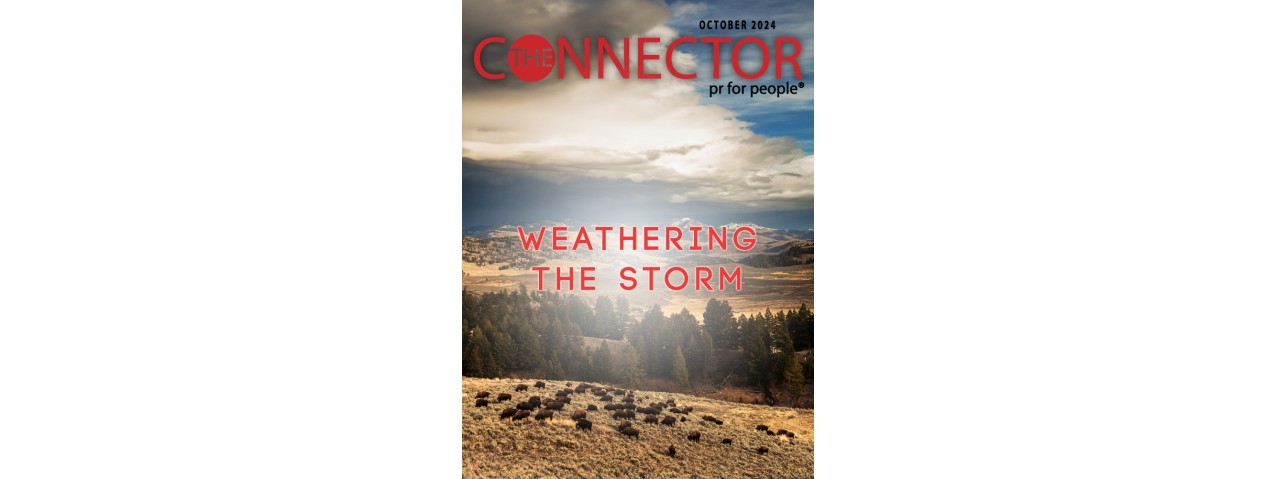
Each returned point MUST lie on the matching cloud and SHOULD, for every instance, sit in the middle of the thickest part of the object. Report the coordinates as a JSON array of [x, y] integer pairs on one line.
[[640, 131], [679, 9]]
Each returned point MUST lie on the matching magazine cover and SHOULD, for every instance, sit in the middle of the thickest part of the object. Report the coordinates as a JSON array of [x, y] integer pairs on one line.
[[638, 241]]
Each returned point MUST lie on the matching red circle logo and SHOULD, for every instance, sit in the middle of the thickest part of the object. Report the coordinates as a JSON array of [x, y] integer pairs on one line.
[[531, 58]]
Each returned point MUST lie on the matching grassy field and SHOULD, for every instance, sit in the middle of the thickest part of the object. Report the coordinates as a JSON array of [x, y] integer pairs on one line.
[[494, 447]]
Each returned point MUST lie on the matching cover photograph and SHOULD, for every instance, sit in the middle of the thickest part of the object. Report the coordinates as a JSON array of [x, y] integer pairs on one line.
[[638, 239]]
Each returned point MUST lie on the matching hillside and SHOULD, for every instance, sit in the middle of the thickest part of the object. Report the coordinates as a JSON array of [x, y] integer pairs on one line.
[[495, 447]]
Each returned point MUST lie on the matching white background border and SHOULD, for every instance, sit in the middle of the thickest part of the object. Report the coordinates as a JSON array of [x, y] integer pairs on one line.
[[227, 239]]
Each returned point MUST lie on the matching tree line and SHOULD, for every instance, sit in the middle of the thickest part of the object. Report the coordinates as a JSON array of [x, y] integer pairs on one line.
[[540, 333]]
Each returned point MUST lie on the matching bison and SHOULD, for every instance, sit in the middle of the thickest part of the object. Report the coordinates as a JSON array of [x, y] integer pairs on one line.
[[503, 397], [539, 385], [520, 387], [762, 449], [578, 414], [629, 407], [609, 407], [770, 433], [762, 427], [544, 414], [591, 408], [535, 401], [712, 419], [524, 406], [675, 411], [631, 432], [623, 425], [555, 405], [521, 415], [480, 403], [650, 419], [628, 400], [782, 432], [584, 424], [508, 412], [726, 441], [682, 419], [648, 410], [695, 436], [687, 410], [672, 451], [790, 434], [671, 402], [604, 398], [482, 394], [668, 421], [623, 415]]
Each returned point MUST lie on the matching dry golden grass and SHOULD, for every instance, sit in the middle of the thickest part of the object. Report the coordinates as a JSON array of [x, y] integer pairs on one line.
[[492, 447]]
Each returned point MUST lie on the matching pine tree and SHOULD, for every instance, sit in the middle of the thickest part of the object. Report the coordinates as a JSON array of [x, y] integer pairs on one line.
[[601, 363], [793, 376], [680, 369], [553, 369], [631, 373], [720, 324]]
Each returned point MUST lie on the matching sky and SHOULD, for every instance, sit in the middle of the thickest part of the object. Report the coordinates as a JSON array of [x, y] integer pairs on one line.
[[630, 151]]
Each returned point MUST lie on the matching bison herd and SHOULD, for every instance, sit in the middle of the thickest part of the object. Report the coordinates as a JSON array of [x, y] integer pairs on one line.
[[622, 404]]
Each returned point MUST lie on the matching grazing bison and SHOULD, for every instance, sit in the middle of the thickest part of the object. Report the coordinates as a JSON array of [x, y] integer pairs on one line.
[[628, 400], [631, 432], [671, 402], [524, 406], [687, 410], [651, 419], [539, 384], [503, 397], [480, 403], [629, 407], [609, 407], [726, 441], [782, 432], [520, 387], [555, 405], [581, 389], [623, 415], [712, 419], [591, 408], [682, 419], [762, 427], [569, 384], [544, 414], [535, 401], [522, 415], [695, 436], [578, 414], [668, 421], [770, 433], [790, 434], [762, 449], [584, 424], [482, 394], [623, 425], [508, 412], [648, 410], [605, 398], [672, 451], [675, 411]]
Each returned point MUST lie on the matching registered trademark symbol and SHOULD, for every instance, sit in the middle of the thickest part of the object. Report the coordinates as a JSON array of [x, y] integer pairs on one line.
[[801, 85]]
